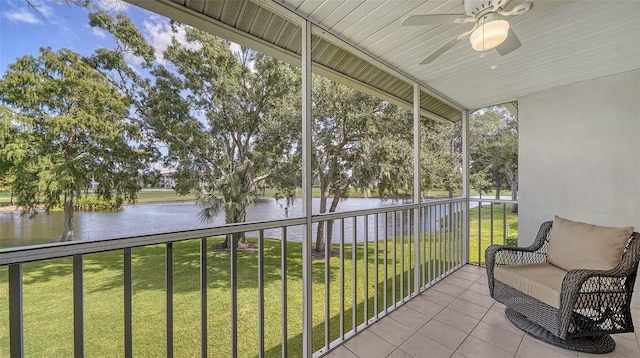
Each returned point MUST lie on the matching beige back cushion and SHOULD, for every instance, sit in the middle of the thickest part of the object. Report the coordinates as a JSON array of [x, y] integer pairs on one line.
[[574, 245]]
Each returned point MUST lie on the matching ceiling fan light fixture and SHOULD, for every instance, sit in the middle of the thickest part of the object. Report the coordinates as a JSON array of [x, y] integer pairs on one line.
[[489, 35]]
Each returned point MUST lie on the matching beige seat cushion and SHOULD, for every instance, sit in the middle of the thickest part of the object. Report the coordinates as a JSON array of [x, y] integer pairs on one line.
[[542, 281], [576, 245]]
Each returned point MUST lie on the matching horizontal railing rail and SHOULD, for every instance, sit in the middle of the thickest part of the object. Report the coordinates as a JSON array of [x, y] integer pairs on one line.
[[377, 260], [65, 249]]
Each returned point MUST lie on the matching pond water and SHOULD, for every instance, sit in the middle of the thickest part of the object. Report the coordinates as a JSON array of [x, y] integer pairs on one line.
[[142, 219]]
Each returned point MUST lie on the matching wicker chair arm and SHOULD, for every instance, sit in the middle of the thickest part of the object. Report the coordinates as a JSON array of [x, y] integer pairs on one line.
[[584, 282], [598, 294], [509, 255]]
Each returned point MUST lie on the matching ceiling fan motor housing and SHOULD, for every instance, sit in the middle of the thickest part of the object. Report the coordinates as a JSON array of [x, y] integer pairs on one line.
[[478, 8]]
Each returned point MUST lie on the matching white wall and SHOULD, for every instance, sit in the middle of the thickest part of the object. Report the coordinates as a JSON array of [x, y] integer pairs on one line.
[[579, 155]]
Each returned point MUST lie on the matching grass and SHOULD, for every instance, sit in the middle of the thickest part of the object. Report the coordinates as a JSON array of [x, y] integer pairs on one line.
[[5, 198], [489, 235], [167, 195], [162, 195], [48, 315]]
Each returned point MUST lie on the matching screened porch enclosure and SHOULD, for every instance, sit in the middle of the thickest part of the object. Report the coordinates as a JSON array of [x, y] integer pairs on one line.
[[397, 277]]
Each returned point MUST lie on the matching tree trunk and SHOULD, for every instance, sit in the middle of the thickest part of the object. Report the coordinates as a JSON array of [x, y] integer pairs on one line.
[[332, 208], [11, 200], [67, 227], [239, 239], [321, 243], [320, 233], [498, 193], [450, 194]]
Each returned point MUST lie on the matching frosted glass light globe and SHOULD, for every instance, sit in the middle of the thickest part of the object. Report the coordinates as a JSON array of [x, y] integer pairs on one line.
[[489, 35]]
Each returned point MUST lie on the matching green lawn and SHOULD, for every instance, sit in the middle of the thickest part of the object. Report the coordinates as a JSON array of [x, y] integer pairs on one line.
[[48, 315], [166, 195], [486, 229], [162, 195]]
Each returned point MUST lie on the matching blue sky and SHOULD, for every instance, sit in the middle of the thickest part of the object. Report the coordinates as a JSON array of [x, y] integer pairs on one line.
[[57, 25]]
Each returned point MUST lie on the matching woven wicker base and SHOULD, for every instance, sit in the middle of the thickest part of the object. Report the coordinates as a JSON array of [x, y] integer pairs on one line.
[[595, 344]]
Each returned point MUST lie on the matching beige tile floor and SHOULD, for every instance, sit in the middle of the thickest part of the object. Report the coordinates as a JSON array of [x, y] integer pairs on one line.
[[457, 318]]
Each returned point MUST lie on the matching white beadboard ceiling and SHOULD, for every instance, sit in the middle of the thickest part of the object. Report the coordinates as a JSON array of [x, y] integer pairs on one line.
[[361, 43], [563, 42]]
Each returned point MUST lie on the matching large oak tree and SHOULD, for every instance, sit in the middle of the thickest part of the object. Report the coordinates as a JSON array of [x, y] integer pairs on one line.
[[70, 124]]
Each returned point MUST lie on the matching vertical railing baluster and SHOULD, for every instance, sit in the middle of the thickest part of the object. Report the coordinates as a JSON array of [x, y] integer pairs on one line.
[[479, 231], [261, 294], [409, 251], [417, 233], [401, 256], [375, 265], [450, 237], [432, 256], [283, 269], [491, 222], [169, 291], [393, 259], [78, 307], [441, 253], [385, 262], [234, 296], [203, 298], [423, 239], [366, 269], [16, 311], [354, 279], [128, 313], [504, 223], [459, 231], [327, 282], [454, 238], [436, 246], [445, 234], [342, 283]]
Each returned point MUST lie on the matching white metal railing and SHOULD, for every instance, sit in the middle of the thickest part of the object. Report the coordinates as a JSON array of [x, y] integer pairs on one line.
[[495, 229], [388, 259]]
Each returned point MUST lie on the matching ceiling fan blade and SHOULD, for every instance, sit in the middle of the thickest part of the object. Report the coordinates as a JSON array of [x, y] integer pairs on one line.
[[510, 44], [442, 49], [436, 19], [518, 9]]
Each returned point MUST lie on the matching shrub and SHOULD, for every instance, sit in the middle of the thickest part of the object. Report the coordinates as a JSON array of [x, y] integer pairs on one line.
[[96, 204], [512, 239]]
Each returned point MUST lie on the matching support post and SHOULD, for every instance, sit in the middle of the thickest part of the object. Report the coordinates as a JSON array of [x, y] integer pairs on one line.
[[465, 186], [307, 297], [417, 199]]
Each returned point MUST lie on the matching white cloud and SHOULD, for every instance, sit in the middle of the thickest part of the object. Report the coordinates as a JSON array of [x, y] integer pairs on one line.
[[37, 13], [98, 32], [235, 49], [117, 6], [24, 15], [159, 34]]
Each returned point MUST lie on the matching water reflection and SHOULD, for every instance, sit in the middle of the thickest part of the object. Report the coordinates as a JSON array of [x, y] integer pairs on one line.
[[141, 219]]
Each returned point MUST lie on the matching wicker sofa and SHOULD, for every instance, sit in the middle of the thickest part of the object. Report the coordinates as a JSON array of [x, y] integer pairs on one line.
[[572, 287]]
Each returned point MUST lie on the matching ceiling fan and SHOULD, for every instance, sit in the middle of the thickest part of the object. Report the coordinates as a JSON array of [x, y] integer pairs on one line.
[[488, 32]]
